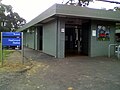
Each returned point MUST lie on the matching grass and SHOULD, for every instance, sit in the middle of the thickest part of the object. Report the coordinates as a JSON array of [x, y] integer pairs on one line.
[[5, 53]]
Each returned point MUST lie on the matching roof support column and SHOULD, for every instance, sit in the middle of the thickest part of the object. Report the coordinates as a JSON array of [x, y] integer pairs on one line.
[[60, 51]]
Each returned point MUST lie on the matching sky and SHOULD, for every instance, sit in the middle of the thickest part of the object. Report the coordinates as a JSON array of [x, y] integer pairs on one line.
[[29, 9]]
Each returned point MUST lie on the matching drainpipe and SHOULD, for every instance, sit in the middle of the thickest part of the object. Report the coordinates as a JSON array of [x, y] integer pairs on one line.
[[57, 40], [34, 39]]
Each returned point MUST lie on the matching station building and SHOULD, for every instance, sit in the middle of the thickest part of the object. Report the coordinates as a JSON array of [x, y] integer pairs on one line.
[[64, 30]]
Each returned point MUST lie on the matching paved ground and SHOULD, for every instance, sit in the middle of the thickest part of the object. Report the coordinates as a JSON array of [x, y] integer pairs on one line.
[[81, 73]]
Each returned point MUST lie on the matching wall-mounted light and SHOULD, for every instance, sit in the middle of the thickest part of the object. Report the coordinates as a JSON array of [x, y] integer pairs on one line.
[[33, 31], [62, 30], [28, 31]]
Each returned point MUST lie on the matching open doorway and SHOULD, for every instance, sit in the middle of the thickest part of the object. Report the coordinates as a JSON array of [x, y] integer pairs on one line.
[[40, 37], [77, 39], [72, 39]]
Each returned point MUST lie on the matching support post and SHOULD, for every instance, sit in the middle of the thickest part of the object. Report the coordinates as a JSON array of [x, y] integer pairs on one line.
[[109, 51], [1, 51], [22, 48], [118, 50]]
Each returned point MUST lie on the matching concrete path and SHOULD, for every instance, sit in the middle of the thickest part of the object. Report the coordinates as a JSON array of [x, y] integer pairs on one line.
[[80, 73], [36, 55]]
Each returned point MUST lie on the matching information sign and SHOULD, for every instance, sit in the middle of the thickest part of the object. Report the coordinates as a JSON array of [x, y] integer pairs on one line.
[[11, 39]]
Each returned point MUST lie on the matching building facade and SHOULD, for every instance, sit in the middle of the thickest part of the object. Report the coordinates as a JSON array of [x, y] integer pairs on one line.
[[64, 30]]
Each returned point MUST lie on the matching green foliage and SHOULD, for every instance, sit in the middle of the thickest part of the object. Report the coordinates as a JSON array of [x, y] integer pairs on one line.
[[84, 2], [117, 8], [9, 20]]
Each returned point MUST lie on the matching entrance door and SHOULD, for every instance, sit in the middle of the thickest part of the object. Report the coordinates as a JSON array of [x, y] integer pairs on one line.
[[77, 39], [40, 37], [72, 40]]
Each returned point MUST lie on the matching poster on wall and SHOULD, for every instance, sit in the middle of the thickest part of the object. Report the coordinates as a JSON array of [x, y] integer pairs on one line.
[[103, 33]]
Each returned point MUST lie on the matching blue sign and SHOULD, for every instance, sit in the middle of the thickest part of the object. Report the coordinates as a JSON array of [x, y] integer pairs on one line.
[[11, 39], [11, 34]]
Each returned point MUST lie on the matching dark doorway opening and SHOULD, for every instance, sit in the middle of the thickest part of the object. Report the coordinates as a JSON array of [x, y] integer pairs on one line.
[[77, 39], [72, 40], [40, 37]]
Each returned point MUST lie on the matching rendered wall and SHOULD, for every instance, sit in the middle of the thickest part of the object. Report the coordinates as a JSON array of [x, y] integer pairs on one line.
[[100, 48], [29, 39], [49, 38], [61, 39]]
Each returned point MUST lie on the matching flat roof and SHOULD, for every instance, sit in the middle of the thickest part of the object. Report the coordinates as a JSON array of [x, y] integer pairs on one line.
[[77, 11]]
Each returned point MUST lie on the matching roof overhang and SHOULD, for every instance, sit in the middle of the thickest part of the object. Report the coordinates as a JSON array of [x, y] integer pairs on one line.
[[85, 12], [61, 10]]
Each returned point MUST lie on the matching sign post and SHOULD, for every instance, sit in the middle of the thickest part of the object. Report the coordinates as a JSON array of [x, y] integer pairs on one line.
[[1, 51], [22, 49], [11, 40]]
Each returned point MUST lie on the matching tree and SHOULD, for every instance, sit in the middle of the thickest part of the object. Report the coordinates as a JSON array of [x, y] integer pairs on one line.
[[84, 2], [117, 8], [9, 20], [79, 3]]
